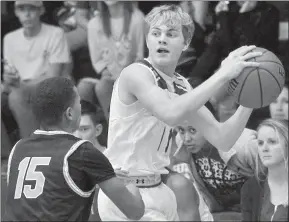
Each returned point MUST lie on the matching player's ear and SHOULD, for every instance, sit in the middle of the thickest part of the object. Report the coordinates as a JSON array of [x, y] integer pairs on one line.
[[69, 113], [98, 130]]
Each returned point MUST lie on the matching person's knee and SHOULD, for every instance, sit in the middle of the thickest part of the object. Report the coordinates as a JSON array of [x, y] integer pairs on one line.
[[180, 184]]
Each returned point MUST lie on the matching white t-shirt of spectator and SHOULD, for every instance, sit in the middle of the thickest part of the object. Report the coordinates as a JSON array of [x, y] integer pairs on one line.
[[31, 57]]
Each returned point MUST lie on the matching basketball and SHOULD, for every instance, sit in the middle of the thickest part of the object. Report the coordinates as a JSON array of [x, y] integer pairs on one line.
[[258, 87]]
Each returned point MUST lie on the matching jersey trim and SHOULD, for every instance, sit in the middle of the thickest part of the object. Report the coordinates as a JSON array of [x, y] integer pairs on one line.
[[9, 161], [66, 174]]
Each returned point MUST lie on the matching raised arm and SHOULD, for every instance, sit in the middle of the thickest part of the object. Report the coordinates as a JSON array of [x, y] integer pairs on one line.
[[222, 135], [139, 83]]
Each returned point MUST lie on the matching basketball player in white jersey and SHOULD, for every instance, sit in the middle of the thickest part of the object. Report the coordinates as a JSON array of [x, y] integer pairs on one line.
[[149, 98]]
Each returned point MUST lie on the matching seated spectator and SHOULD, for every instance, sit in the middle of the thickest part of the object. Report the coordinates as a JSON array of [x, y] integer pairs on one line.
[[279, 108], [265, 198], [189, 57], [115, 39], [219, 185], [32, 53], [239, 23], [84, 11], [91, 124], [91, 127]]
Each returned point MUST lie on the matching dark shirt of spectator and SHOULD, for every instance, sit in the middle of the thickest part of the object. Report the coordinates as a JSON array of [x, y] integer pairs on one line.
[[256, 27]]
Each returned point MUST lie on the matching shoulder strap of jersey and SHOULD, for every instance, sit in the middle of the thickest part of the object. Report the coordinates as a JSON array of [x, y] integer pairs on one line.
[[160, 80]]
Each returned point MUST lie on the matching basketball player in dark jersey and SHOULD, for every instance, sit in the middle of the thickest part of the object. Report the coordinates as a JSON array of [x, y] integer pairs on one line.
[[52, 174]]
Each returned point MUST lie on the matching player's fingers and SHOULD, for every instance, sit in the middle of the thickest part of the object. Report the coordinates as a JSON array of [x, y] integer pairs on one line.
[[251, 55], [243, 50], [251, 64], [236, 51]]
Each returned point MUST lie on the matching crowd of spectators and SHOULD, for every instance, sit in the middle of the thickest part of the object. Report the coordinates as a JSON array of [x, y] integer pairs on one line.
[[92, 41]]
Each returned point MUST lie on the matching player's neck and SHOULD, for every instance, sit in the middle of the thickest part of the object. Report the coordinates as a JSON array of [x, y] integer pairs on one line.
[[98, 146], [33, 31], [278, 174], [55, 128], [169, 70]]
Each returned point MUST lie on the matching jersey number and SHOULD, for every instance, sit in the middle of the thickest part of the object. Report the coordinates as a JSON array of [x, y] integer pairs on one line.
[[27, 172]]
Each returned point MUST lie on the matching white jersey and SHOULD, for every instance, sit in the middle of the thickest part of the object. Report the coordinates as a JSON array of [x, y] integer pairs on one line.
[[137, 141]]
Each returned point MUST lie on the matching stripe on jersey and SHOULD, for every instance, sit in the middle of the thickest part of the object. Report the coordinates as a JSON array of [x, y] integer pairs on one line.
[[179, 84], [9, 161], [160, 80], [179, 89], [66, 174]]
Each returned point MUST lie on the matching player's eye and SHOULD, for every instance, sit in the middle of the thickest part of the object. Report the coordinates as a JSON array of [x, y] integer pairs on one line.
[[272, 141], [155, 33], [260, 143], [181, 130], [192, 130]]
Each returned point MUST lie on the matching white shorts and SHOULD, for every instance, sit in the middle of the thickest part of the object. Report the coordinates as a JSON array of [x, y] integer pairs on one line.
[[160, 205]]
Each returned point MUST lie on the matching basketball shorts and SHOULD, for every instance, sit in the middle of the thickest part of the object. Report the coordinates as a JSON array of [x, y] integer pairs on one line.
[[160, 205]]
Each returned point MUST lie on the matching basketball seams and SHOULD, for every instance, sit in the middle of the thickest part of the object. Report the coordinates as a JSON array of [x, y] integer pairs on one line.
[[262, 77], [270, 61], [261, 88], [242, 86], [273, 77]]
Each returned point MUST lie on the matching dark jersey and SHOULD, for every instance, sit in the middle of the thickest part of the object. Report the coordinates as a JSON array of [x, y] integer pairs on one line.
[[52, 176]]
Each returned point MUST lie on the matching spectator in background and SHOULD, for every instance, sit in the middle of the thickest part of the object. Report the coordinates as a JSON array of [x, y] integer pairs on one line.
[[279, 108], [203, 165], [73, 17], [91, 124], [32, 53], [115, 39], [84, 11], [265, 198], [197, 10], [91, 128], [239, 23]]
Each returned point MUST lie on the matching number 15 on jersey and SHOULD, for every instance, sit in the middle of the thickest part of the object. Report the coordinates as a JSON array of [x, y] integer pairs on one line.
[[27, 172]]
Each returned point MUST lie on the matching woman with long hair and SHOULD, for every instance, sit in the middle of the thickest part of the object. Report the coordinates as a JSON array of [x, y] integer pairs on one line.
[[115, 40], [266, 198]]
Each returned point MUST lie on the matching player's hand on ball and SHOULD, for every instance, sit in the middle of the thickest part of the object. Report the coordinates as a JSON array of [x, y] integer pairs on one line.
[[233, 65]]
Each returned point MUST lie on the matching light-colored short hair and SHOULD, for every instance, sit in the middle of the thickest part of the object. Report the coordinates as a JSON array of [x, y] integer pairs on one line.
[[172, 16]]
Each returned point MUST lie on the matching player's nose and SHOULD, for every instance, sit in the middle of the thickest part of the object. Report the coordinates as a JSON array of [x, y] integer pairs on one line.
[[163, 39]]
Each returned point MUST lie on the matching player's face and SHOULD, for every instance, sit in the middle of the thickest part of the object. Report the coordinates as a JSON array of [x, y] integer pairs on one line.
[[279, 108], [29, 16], [165, 44], [271, 147], [193, 140], [87, 129]]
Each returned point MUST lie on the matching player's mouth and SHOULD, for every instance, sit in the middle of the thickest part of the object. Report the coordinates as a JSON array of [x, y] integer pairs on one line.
[[162, 51], [266, 157]]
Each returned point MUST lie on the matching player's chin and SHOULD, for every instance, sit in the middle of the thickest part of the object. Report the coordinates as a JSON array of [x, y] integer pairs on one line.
[[164, 60]]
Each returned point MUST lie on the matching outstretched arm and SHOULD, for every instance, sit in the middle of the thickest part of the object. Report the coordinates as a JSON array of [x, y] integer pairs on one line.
[[222, 135]]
